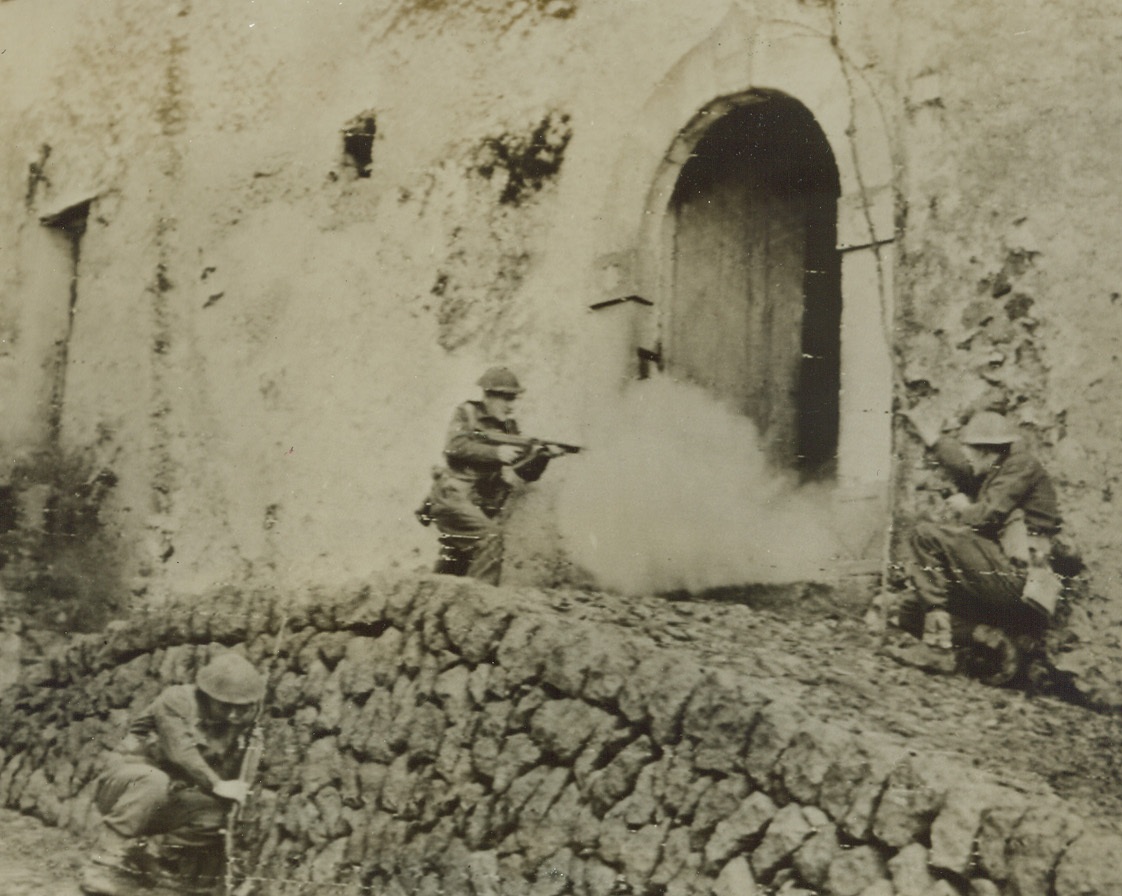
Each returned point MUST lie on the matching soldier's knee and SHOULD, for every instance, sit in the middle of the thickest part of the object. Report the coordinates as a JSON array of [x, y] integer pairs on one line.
[[142, 785], [925, 535]]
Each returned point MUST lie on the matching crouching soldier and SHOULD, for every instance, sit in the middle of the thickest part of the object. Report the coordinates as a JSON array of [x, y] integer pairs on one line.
[[175, 776], [988, 577]]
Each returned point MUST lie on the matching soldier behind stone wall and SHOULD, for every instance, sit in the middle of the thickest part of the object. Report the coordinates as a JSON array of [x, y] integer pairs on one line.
[[169, 786]]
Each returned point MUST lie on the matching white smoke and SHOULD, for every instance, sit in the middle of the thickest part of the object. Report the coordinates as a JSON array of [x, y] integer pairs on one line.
[[674, 493]]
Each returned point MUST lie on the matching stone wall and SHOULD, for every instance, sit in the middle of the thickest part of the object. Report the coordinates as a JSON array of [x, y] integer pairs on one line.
[[434, 735]]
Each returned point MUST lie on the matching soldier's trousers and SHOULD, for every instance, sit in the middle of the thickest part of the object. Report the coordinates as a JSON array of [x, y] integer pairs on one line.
[[138, 800], [471, 542], [953, 568]]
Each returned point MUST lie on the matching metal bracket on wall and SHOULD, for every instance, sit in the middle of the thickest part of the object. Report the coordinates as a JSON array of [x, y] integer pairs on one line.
[[646, 356]]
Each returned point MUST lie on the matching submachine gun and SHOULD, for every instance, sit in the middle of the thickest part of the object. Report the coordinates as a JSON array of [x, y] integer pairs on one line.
[[527, 443], [536, 453]]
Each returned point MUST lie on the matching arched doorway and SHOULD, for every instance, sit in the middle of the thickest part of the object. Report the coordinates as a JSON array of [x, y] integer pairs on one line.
[[754, 310]]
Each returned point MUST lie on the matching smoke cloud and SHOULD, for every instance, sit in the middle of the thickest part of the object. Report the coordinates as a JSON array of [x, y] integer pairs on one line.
[[675, 493]]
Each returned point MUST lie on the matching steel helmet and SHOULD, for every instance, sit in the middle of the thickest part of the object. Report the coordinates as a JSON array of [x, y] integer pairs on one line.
[[230, 678], [500, 379], [988, 428]]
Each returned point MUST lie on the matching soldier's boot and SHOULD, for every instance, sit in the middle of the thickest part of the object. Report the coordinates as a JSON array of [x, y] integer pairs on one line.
[[195, 868], [994, 656], [455, 554], [931, 654], [117, 866], [937, 630]]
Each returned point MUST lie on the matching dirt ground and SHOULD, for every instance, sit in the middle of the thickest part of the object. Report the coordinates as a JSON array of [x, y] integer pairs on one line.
[[36, 860], [810, 642]]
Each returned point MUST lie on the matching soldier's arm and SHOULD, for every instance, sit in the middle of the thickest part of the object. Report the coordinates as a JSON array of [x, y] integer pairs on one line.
[[174, 717], [950, 456], [1003, 494], [462, 444]]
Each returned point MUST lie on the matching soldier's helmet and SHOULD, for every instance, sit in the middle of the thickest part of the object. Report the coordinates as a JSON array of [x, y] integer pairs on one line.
[[988, 428], [230, 678], [501, 380]]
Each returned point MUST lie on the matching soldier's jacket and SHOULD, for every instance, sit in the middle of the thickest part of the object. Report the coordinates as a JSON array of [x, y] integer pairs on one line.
[[474, 460], [171, 735], [1019, 481]]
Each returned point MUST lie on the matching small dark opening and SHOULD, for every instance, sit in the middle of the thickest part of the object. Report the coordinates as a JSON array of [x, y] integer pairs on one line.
[[70, 225], [358, 144]]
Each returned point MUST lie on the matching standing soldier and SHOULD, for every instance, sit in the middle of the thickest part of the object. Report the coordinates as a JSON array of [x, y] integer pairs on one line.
[[992, 568], [483, 453], [176, 774]]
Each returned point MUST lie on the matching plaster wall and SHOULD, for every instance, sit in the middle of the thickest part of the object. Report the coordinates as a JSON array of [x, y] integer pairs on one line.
[[266, 346]]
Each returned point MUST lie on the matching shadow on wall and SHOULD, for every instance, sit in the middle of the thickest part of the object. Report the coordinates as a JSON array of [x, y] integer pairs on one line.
[[59, 566]]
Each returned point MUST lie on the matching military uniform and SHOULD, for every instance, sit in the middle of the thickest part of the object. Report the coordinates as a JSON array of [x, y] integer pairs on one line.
[[163, 780], [969, 569], [470, 490]]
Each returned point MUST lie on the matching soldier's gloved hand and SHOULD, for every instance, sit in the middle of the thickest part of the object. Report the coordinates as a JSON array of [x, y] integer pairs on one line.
[[958, 502], [236, 790], [508, 454]]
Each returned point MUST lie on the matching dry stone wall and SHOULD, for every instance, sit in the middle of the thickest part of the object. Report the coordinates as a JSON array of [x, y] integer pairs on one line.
[[432, 736]]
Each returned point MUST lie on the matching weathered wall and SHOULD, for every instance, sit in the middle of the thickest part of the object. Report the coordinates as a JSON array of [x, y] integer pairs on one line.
[[265, 345], [1008, 279], [435, 735]]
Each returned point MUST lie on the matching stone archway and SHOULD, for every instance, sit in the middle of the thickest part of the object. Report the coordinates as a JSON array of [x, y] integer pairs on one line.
[[744, 58]]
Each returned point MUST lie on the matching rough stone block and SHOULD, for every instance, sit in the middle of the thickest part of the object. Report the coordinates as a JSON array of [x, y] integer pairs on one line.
[[658, 693], [741, 830], [803, 766], [912, 797], [618, 777], [955, 829], [636, 852], [788, 830], [475, 630], [517, 755], [736, 879], [775, 728], [518, 651], [568, 658], [910, 870], [719, 718], [370, 663], [611, 663], [718, 801], [676, 855], [1092, 864], [1036, 845], [854, 871], [812, 860], [997, 826], [563, 727], [641, 805]]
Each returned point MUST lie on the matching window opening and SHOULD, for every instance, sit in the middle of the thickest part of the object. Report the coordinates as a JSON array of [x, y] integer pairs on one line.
[[69, 225]]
